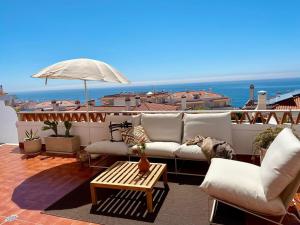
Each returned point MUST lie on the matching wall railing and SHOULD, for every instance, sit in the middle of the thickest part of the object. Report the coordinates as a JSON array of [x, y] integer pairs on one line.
[[237, 116]]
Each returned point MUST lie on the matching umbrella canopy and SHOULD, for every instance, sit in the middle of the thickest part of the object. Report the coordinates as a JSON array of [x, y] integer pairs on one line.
[[82, 69]]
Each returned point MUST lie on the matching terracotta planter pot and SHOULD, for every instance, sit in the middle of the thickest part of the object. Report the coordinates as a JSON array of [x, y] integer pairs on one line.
[[143, 164], [66, 145], [33, 147]]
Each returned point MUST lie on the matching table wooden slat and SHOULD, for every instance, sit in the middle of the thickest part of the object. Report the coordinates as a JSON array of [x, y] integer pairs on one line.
[[126, 174]]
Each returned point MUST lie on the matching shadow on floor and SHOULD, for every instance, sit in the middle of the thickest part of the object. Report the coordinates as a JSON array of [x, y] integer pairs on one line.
[[42, 189], [129, 204]]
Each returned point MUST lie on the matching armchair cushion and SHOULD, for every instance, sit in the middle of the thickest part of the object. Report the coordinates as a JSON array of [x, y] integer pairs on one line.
[[281, 163], [239, 183]]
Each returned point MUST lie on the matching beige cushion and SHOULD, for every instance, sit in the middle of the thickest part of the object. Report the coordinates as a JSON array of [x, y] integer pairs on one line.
[[107, 147], [190, 152], [216, 125], [159, 149], [281, 163], [115, 119], [163, 127], [239, 183]]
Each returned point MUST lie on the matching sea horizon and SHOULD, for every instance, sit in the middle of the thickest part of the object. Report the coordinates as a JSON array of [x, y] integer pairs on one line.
[[237, 91]]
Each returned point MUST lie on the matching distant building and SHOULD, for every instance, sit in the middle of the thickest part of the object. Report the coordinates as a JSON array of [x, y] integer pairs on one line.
[[287, 101], [145, 106], [196, 100], [187, 100], [8, 99], [50, 106], [119, 99]]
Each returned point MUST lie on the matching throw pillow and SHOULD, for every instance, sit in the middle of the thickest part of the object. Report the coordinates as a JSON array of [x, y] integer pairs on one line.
[[115, 130], [134, 135]]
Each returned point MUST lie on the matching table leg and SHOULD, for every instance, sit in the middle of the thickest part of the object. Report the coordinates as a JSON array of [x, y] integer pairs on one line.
[[165, 178], [93, 195], [149, 201]]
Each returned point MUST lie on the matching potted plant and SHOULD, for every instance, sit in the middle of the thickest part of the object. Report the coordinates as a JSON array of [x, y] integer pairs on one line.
[[32, 142], [61, 143], [264, 139], [143, 164]]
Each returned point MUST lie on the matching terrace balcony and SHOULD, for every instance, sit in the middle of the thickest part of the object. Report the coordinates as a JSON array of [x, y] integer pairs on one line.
[[30, 185]]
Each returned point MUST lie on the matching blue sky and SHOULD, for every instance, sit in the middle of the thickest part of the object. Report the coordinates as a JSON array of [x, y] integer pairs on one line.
[[151, 41]]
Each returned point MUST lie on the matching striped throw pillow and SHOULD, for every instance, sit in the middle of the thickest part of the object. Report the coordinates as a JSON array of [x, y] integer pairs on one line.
[[134, 135]]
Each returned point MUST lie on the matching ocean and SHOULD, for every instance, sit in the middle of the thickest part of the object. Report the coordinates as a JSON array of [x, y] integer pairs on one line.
[[237, 91]]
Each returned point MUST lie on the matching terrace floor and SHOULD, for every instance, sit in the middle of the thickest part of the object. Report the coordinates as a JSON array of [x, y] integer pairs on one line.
[[28, 186]]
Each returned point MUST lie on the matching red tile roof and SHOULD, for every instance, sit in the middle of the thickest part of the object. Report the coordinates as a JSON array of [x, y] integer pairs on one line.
[[291, 103], [48, 104]]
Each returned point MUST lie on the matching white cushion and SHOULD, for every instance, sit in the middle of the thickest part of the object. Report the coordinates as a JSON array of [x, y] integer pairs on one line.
[[239, 183], [163, 127], [117, 119], [216, 125], [107, 147], [190, 152], [159, 149], [281, 163]]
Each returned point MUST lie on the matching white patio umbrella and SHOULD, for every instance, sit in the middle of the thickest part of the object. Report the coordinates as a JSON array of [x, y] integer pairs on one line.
[[82, 69]]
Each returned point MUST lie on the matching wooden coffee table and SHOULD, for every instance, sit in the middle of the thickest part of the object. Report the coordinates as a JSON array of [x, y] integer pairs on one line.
[[125, 176]]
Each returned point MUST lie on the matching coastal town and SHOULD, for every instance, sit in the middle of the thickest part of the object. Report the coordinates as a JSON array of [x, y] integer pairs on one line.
[[159, 101]]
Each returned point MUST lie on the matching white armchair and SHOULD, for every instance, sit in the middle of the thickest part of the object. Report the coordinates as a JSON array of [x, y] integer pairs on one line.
[[264, 191]]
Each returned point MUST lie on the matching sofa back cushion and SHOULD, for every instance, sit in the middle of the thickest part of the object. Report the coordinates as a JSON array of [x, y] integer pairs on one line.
[[216, 125], [163, 127], [281, 163]]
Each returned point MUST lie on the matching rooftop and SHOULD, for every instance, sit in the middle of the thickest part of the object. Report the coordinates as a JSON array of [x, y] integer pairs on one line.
[[144, 106], [282, 97], [190, 95]]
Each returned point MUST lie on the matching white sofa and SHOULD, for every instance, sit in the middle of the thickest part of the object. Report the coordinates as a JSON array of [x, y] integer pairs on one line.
[[168, 132]]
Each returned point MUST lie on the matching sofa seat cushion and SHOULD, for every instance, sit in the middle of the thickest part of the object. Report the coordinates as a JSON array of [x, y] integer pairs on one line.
[[107, 147], [239, 183], [281, 163], [190, 152], [215, 125], [159, 149], [163, 127]]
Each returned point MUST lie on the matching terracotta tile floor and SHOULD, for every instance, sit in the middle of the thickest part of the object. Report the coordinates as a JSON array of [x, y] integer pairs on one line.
[[28, 186]]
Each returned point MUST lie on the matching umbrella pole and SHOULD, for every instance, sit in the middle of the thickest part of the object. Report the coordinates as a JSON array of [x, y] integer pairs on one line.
[[87, 109]]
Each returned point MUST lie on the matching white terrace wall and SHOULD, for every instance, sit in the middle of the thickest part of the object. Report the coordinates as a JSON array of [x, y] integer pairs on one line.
[[243, 134], [88, 132], [8, 119]]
